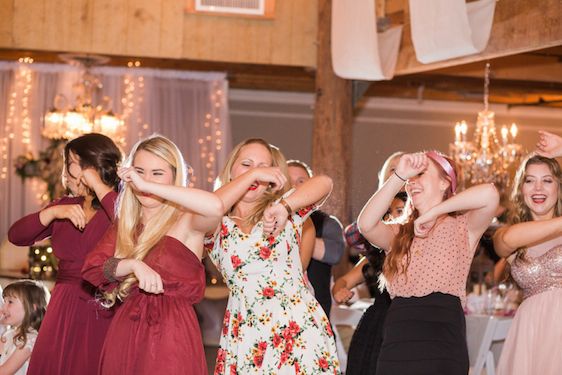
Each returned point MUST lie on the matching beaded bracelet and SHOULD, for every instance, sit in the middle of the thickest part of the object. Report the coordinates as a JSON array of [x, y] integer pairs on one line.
[[109, 268]]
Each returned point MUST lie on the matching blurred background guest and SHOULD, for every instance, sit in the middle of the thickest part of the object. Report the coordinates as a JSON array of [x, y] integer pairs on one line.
[[329, 245]]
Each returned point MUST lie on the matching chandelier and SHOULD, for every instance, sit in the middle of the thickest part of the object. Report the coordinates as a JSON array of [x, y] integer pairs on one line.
[[487, 158], [66, 121]]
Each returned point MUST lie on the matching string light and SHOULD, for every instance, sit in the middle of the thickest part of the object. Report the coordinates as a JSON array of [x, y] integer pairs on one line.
[[133, 97], [19, 96], [213, 141], [26, 77]]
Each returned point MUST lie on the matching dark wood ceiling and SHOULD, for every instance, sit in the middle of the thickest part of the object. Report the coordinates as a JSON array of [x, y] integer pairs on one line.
[[529, 79]]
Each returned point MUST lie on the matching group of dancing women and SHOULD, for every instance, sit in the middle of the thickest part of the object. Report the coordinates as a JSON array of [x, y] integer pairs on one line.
[[130, 237]]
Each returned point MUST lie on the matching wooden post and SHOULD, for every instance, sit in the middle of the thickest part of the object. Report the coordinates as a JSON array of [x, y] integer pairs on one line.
[[333, 116]]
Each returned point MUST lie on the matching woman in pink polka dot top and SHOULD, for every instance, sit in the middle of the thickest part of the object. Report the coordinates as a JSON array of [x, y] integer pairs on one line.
[[430, 249]]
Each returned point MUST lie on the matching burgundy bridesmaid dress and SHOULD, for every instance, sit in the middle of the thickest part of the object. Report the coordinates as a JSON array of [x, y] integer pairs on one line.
[[74, 328], [154, 333]]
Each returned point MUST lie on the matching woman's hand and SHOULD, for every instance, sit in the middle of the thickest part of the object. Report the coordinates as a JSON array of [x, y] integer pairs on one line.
[[149, 280], [342, 294], [90, 178], [411, 165], [549, 145], [130, 175], [73, 212], [274, 219], [424, 224], [270, 175]]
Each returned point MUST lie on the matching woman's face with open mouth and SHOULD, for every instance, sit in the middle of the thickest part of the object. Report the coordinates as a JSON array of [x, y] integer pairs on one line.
[[540, 191]]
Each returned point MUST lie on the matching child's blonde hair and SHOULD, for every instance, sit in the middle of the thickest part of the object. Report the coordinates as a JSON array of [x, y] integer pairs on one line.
[[34, 298]]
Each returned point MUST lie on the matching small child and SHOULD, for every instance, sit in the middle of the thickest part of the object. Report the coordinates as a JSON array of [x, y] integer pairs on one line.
[[25, 303]]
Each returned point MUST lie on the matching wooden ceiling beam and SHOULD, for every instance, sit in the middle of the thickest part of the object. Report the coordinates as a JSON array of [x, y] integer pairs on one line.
[[544, 65], [516, 79]]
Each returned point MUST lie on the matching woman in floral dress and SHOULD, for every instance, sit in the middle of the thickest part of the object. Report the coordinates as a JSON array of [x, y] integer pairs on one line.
[[273, 324]]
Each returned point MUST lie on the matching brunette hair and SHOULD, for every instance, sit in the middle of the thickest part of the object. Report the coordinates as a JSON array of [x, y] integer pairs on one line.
[[302, 165], [98, 152]]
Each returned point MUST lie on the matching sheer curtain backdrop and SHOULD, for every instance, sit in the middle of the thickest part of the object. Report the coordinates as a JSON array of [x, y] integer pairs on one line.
[[188, 107]]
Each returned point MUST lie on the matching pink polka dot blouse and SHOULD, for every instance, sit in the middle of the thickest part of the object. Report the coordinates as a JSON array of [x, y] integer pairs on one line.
[[438, 263]]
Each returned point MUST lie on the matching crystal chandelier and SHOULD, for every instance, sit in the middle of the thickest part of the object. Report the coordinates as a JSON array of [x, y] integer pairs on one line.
[[64, 121], [486, 159]]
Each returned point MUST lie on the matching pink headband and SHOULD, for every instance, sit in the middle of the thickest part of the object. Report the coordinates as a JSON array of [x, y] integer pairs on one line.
[[447, 167]]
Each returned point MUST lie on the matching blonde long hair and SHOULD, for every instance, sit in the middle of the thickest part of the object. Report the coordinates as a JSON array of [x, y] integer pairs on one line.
[[402, 242], [519, 212], [133, 240], [278, 160]]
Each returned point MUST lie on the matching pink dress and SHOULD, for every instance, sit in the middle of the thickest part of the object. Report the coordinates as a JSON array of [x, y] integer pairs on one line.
[[535, 338], [73, 330]]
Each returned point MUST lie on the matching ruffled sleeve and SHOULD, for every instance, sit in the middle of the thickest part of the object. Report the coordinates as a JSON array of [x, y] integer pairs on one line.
[[211, 246], [31, 338]]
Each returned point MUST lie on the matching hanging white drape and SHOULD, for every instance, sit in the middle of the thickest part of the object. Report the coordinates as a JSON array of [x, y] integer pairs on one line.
[[188, 107], [358, 51], [445, 29]]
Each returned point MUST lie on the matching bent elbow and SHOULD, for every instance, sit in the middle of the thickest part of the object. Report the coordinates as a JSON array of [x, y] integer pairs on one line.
[[218, 208], [327, 183], [492, 196], [362, 226], [502, 247]]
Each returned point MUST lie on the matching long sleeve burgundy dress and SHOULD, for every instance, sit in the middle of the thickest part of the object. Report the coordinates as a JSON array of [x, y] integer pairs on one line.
[[73, 330]]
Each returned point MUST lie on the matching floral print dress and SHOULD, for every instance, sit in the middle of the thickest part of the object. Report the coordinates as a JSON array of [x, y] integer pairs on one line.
[[272, 324]]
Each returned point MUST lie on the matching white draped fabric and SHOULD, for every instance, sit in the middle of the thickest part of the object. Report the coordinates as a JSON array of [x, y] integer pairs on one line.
[[358, 51], [440, 30], [445, 29], [188, 107]]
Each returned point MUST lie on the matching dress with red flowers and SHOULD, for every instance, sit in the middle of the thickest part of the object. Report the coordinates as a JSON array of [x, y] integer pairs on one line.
[[273, 324]]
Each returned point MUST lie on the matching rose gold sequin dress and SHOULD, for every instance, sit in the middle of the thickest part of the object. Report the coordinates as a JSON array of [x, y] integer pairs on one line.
[[533, 345]]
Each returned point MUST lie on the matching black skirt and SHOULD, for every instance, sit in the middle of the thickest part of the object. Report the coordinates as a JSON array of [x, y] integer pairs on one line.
[[424, 335], [367, 339]]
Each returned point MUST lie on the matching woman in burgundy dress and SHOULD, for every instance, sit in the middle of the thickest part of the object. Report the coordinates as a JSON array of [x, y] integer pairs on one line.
[[74, 327], [151, 260]]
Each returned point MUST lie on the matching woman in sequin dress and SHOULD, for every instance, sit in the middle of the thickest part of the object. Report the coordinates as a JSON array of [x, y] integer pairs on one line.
[[533, 243]]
